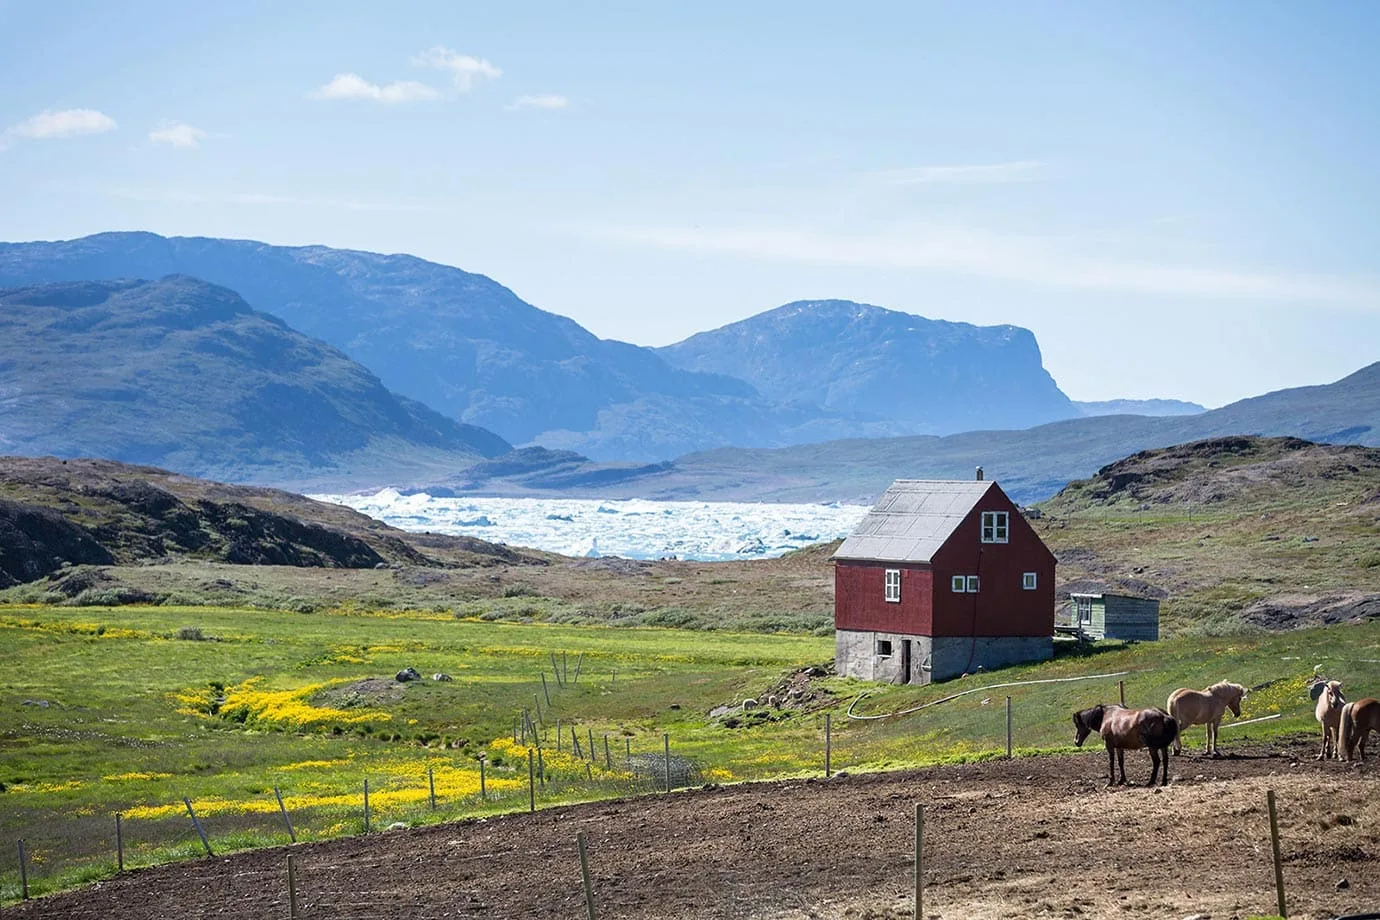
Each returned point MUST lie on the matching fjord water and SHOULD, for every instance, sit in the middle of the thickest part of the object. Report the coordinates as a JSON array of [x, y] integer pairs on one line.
[[634, 529]]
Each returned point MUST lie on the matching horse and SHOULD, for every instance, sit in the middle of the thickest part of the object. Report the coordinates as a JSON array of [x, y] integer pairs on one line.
[[1204, 707], [1329, 715], [1125, 729], [1358, 720]]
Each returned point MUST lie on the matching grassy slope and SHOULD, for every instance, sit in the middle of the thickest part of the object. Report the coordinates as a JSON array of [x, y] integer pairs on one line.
[[1232, 533], [183, 374], [119, 730], [1291, 528]]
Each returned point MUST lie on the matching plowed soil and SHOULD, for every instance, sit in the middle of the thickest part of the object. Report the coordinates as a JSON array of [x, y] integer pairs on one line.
[[1033, 837]]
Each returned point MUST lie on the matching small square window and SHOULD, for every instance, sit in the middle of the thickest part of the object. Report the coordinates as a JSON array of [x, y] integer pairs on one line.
[[883, 648], [972, 584], [959, 584], [995, 527], [893, 586], [1028, 581]]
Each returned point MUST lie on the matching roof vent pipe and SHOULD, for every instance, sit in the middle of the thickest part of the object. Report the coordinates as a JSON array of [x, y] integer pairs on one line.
[[979, 474]]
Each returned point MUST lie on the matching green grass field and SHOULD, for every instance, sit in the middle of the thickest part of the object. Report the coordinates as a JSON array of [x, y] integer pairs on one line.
[[129, 710]]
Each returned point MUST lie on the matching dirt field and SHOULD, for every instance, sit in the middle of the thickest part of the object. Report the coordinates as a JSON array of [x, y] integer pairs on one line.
[[1034, 837]]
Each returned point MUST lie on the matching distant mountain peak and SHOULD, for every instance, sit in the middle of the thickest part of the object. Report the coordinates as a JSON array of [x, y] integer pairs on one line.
[[912, 374]]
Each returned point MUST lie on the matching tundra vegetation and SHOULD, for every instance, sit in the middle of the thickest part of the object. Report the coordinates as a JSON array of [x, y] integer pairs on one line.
[[130, 709]]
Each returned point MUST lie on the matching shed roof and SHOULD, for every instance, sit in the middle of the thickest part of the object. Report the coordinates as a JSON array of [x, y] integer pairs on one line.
[[913, 519]]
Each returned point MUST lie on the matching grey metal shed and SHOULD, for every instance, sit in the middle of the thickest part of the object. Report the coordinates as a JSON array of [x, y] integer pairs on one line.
[[1117, 616]]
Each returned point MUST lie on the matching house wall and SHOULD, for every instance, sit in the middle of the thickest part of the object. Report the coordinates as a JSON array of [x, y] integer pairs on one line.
[[855, 655], [954, 656], [931, 659], [860, 598], [1001, 607]]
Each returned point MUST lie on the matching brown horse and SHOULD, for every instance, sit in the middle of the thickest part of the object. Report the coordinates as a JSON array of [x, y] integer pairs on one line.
[[1204, 707], [1359, 719], [1329, 716], [1125, 729]]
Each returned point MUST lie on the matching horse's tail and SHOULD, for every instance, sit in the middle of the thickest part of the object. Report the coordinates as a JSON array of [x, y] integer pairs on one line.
[[1171, 730], [1347, 730]]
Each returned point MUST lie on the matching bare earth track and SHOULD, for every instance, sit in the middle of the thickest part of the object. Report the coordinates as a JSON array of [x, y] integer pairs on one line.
[[1033, 837]]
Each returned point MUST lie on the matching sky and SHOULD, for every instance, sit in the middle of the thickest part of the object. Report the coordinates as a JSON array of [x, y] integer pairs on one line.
[[1179, 199]]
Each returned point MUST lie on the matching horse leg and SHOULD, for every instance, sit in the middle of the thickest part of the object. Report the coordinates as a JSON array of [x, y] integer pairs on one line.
[[1111, 766], [1155, 764], [1212, 735], [1164, 777], [1121, 764]]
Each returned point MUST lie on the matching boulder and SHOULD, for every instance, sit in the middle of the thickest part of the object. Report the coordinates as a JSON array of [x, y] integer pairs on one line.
[[407, 674]]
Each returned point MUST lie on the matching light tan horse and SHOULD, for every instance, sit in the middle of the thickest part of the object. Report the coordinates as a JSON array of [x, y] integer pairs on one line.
[[1329, 716], [1204, 707], [1359, 719]]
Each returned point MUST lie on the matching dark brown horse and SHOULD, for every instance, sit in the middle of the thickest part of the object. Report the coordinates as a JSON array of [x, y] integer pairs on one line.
[[1125, 729]]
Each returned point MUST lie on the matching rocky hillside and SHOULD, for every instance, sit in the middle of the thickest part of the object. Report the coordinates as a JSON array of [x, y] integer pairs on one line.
[[458, 342], [1229, 532], [184, 374], [473, 350], [904, 373], [55, 514]]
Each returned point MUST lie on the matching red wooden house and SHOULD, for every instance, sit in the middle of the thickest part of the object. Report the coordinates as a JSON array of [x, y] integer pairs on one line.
[[939, 579]]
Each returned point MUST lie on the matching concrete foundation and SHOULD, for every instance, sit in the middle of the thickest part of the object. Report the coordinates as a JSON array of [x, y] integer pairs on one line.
[[895, 658]]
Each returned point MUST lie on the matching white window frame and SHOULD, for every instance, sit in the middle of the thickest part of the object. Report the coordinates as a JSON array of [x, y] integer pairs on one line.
[[973, 584], [893, 586], [890, 648], [1029, 580], [1082, 607], [996, 527], [958, 584]]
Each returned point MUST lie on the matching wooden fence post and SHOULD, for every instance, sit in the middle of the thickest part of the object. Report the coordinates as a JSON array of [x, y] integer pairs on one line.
[[558, 736], [584, 872], [579, 660], [119, 845], [366, 804], [1121, 691], [666, 740], [197, 824], [431, 787], [593, 753], [483, 791], [608, 758], [531, 781], [828, 745], [1008, 728], [555, 669], [292, 889], [1274, 844], [919, 859], [545, 690], [23, 872], [282, 809], [627, 753]]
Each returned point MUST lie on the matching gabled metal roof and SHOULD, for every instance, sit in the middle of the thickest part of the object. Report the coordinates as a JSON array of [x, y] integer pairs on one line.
[[913, 519]]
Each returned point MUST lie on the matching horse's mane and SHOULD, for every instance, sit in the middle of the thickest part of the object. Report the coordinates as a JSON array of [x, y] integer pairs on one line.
[[1228, 685]]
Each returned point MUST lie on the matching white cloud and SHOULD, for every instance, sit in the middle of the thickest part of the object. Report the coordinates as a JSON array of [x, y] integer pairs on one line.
[[1019, 259], [547, 101], [177, 134], [61, 123], [465, 70], [969, 174], [353, 86]]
